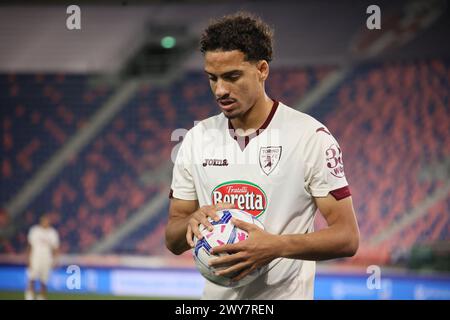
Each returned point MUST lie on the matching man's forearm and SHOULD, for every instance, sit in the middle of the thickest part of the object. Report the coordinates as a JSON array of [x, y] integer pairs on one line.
[[176, 235], [325, 244], [55, 254], [28, 254]]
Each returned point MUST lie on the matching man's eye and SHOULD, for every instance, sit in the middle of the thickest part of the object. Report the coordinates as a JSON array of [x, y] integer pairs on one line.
[[212, 78], [234, 77]]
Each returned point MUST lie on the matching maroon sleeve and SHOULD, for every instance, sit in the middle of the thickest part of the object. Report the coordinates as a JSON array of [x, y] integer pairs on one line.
[[341, 193]]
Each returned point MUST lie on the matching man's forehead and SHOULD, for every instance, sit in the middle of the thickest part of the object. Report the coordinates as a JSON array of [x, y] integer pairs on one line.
[[223, 61]]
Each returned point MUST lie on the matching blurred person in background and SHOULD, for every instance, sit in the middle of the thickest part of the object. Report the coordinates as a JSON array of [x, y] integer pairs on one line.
[[43, 244]]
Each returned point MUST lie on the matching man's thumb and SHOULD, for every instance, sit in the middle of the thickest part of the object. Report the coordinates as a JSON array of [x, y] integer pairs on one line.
[[242, 224], [225, 205]]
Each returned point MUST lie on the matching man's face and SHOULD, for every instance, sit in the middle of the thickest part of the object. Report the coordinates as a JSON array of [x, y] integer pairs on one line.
[[45, 222], [235, 83]]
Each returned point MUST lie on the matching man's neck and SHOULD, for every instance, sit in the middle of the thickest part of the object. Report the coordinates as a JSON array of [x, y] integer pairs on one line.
[[255, 117]]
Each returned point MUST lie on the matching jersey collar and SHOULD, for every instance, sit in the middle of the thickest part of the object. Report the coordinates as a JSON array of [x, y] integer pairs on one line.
[[243, 141]]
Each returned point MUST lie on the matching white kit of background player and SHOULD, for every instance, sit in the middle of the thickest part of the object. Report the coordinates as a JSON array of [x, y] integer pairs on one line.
[[44, 242]]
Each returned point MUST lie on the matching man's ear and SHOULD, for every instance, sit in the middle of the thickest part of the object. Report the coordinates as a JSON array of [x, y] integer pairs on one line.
[[263, 68]]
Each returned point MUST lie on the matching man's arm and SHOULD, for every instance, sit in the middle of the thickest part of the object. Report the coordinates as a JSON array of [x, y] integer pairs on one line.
[[55, 255], [179, 214], [184, 218], [28, 253], [340, 239]]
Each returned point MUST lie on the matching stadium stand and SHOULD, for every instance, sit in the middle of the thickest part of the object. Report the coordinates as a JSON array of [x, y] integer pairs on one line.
[[392, 121], [102, 186], [42, 112], [408, 102]]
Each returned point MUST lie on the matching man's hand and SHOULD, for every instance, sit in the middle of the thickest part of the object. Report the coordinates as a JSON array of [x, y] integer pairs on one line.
[[258, 250], [55, 261], [200, 216]]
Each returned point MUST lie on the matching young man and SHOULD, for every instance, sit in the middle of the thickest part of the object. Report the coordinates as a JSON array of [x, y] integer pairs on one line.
[[43, 243], [281, 172]]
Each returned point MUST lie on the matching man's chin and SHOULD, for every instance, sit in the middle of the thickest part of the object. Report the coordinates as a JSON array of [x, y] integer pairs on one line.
[[230, 115]]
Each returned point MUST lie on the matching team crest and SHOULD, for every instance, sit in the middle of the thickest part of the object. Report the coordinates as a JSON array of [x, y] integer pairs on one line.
[[269, 158]]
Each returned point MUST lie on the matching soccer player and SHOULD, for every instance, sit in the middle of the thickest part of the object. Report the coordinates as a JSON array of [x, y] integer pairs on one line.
[[43, 243], [265, 158]]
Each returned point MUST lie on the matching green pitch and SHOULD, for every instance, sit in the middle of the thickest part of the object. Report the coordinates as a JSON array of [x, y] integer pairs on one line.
[[14, 295]]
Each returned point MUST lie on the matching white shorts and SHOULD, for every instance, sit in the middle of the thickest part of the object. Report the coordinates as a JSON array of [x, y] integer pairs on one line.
[[39, 270]]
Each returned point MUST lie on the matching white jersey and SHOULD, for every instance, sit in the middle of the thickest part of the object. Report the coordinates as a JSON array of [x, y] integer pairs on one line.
[[274, 175], [42, 241]]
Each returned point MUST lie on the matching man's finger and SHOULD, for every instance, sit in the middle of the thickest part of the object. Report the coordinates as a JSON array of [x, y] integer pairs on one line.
[[189, 236], [196, 231], [234, 268], [224, 205], [229, 248], [211, 212], [242, 224], [204, 221], [226, 260], [242, 275]]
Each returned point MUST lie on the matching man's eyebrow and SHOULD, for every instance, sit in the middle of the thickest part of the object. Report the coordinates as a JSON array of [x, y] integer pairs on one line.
[[225, 74]]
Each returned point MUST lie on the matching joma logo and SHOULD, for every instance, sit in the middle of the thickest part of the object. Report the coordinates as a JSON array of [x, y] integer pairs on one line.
[[215, 162]]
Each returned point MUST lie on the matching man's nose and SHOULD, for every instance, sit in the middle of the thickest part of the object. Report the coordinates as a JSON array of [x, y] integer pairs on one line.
[[221, 89]]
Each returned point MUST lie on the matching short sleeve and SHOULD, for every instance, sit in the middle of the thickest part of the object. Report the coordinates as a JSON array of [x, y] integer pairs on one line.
[[183, 186], [324, 164], [31, 236]]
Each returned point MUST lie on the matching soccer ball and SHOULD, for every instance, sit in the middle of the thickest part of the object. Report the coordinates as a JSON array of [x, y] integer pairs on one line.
[[225, 232]]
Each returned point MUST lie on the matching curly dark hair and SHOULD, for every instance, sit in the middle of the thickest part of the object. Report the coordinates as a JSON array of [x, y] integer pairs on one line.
[[240, 31]]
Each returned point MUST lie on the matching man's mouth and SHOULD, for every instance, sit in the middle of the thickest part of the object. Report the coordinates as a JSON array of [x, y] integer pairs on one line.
[[226, 104]]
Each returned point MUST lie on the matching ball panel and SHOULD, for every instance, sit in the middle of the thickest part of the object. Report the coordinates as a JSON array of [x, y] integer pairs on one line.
[[224, 232]]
